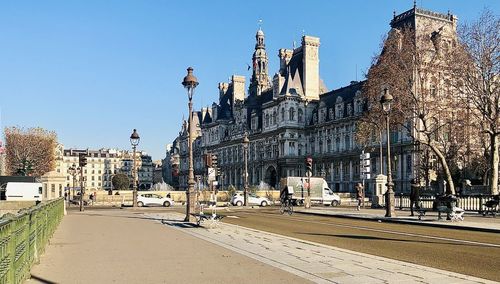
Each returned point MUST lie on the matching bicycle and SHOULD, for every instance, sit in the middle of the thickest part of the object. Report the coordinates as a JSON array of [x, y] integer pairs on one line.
[[286, 206]]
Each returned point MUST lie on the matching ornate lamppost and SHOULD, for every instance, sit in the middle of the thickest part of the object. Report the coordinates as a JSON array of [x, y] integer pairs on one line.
[[134, 141], [386, 101], [73, 170], [245, 160], [190, 82]]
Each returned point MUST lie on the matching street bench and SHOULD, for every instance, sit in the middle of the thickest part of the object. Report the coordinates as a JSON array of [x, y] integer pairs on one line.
[[212, 218]]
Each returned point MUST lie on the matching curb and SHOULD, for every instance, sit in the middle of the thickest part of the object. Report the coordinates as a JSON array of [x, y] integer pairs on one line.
[[399, 221]]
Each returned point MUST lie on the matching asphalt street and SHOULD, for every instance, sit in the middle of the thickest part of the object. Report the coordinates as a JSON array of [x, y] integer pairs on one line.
[[467, 252]]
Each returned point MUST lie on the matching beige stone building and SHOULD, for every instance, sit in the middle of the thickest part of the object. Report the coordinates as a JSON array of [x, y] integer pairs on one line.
[[102, 165]]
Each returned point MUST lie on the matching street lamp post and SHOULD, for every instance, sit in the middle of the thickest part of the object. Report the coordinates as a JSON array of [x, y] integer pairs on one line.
[[245, 159], [190, 82], [134, 141], [73, 170], [386, 101]]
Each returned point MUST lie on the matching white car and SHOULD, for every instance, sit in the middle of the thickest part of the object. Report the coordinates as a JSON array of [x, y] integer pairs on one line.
[[149, 199], [239, 200]]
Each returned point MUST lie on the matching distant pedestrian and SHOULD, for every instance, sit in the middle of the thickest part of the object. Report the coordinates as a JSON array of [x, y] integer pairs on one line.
[[414, 195], [91, 197], [359, 195]]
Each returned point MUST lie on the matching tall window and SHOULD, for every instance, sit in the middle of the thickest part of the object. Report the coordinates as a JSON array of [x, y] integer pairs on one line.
[[282, 114], [337, 144], [347, 142], [299, 115], [292, 114], [329, 145], [274, 117], [267, 120]]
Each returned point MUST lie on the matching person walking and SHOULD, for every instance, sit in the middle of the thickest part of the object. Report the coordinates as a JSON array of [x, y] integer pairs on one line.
[[359, 195], [414, 195]]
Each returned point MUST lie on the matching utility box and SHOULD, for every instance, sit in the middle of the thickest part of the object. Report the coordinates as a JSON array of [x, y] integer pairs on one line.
[[379, 190]]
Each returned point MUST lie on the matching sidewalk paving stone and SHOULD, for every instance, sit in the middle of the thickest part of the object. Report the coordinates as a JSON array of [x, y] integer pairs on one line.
[[320, 263]]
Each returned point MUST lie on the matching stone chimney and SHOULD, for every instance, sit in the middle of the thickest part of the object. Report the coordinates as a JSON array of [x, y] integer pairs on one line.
[[238, 83], [285, 55], [310, 60]]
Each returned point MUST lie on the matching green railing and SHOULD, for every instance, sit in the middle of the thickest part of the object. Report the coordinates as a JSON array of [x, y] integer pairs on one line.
[[23, 238]]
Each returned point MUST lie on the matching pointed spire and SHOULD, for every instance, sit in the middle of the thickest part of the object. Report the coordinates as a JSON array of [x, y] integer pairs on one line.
[[414, 4]]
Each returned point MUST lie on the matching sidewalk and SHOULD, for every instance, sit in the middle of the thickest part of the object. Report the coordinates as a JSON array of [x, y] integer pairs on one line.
[[137, 246], [472, 221], [125, 246]]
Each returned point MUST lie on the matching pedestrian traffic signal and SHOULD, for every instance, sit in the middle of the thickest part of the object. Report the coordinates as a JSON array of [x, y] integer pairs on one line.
[[82, 160], [214, 160], [309, 164]]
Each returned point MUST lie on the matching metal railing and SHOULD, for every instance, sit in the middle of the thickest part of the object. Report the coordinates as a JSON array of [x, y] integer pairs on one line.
[[23, 238], [466, 202]]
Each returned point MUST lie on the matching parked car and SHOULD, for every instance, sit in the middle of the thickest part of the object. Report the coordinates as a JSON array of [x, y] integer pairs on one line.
[[238, 200], [151, 199]]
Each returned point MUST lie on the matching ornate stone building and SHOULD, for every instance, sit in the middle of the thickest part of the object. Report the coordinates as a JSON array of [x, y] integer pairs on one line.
[[293, 116]]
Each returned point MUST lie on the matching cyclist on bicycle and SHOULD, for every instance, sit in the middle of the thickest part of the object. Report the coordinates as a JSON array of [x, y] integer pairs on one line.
[[286, 195]]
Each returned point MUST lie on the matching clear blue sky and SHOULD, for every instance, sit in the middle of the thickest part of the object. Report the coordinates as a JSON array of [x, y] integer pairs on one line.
[[93, 70]]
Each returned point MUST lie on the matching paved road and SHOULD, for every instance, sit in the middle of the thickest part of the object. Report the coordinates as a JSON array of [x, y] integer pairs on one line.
[[124, 246], [471, 253]]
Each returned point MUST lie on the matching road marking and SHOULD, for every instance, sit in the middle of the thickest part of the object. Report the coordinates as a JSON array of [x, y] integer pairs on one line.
[[384, 231]]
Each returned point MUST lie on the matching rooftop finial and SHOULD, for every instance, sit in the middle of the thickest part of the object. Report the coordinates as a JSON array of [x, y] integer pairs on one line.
[[414, 4], [394, 14], [303, 32], [260, 24]]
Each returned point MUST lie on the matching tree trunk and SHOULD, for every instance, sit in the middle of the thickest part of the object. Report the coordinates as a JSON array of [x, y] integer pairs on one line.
[[494, 164], [450, 187]]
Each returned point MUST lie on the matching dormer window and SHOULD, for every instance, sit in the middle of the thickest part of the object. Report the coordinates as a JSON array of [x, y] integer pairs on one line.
[[339, 111]]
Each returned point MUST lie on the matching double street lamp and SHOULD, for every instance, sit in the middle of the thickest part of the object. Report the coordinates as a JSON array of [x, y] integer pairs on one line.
[[134, 141], [245, 159], [190, 82], [385, 102]]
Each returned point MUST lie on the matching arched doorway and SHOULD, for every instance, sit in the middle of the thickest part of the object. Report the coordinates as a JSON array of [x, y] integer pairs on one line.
[[271, 176]]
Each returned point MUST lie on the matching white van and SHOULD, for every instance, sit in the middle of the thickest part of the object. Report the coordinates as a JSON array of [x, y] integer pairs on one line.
[[23, 191], [320, 192]]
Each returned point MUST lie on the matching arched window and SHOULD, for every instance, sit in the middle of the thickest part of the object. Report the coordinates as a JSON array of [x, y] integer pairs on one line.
[[274, 117], [282, 114], [292, 114], [337, 144], [299, 114], [267, 120], [347, 143]]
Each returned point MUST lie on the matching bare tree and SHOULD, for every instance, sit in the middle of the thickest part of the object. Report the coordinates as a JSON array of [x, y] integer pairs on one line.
[[412, 68], [475, 64], [30, 151]]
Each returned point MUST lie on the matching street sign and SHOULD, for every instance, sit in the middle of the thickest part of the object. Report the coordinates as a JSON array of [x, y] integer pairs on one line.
[[211, 173], [365, 168], [364, 156]]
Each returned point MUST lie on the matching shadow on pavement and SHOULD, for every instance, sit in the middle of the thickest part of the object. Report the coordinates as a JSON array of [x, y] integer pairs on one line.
[[391, 239], [41, 280]]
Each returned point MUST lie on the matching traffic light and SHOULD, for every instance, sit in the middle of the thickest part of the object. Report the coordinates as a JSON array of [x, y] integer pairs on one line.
[[82, 160], [309, 164]]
